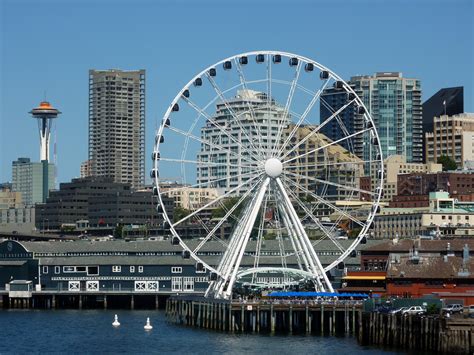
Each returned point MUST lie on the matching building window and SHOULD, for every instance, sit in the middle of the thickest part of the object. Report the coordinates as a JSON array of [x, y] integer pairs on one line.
[[57, 269], [68, 269], [176, 270], [176, 284], [188, 284], [92, 270], [116, 268], [132, 269], [140, 269], [45, 269]]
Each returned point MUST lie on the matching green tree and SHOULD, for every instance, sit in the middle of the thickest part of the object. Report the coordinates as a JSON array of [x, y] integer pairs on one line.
[[447, 162], [118, 231], [354, 232], [227, 204], [179, 213]]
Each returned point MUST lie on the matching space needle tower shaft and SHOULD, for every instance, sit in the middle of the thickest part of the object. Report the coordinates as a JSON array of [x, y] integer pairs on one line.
[[44, 113]]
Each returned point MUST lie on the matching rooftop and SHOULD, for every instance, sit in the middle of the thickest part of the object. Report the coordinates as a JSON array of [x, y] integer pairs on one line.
[[404, 245], [445, 269]]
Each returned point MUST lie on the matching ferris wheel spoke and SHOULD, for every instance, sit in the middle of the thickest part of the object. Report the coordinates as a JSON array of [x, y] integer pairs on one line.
[[314, 262], [269, 102], [338, 118], [197, 162], [325, 202], [224, 219], [216, 124], [315, 220], [298, 250], [353, 163], [289, 101], [317, 129], [236, 118], [280, 241], [327, 145], [202, 184], [210, 144], [250, 107], [345, 187], [260, 233], [227, 194], [303, 116], [339, 121]]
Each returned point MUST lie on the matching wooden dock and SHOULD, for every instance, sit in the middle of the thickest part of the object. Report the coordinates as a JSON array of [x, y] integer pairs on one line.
[[453, 335], [262, 316], [86, 300]]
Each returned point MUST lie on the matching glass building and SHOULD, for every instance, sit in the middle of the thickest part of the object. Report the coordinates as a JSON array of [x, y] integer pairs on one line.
[[27, 178], [242, 146], [395, 105]]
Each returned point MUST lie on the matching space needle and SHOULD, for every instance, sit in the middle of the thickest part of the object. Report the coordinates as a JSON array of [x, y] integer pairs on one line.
[[44, 113]]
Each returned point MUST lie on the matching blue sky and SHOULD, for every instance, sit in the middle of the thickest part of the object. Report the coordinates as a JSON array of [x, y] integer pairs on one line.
[[49, 46]]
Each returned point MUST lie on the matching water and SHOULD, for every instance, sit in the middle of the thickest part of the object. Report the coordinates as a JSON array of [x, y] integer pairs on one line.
[[91, 331]]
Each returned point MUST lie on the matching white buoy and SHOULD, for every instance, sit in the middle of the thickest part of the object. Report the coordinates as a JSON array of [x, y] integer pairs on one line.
[[148, 325], [116, 323]]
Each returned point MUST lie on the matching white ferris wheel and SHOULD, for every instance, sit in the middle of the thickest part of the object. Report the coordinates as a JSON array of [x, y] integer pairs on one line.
[[278, 158]]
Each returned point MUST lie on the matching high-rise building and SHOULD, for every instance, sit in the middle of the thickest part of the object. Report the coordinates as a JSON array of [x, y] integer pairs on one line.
[[334, 164], [447, 101], [452, 136], [331, 100], [246, 130], [86, 168], [31, 180], [117, 125], [395, 105]]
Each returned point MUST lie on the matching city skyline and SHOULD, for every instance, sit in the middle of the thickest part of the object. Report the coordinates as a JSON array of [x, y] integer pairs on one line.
[[174, 48]]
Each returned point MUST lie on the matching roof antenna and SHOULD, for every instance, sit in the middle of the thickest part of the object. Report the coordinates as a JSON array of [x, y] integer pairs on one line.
[[44, 95]]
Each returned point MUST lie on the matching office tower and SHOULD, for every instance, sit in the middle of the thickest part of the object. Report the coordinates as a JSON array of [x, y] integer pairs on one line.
[[242, 146], [395, 105], [452, 136], [100, 201], [117, 125], [447, 101], [331, 100], [86, 168], [31, 180]]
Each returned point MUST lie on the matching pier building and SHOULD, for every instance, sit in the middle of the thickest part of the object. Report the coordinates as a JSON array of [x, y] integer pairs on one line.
[[141, 267]]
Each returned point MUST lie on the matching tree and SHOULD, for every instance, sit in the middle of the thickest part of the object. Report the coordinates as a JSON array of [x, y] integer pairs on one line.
[[118, 231], [179, 213], [228, 203], [447, 162]]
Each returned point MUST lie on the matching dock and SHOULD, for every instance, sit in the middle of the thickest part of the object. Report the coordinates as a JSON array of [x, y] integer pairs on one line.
[[430, 333], [265, 316], [104, 299]]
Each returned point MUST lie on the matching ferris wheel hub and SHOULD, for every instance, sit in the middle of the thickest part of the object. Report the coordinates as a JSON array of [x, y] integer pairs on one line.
[[273, 167]]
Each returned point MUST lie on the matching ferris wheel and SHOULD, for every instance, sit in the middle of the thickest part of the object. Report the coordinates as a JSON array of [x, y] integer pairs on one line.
[[278, 158]]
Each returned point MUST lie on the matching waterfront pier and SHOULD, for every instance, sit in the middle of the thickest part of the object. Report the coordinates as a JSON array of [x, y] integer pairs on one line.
[[85, 300], [265, 316], [417, 332]]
